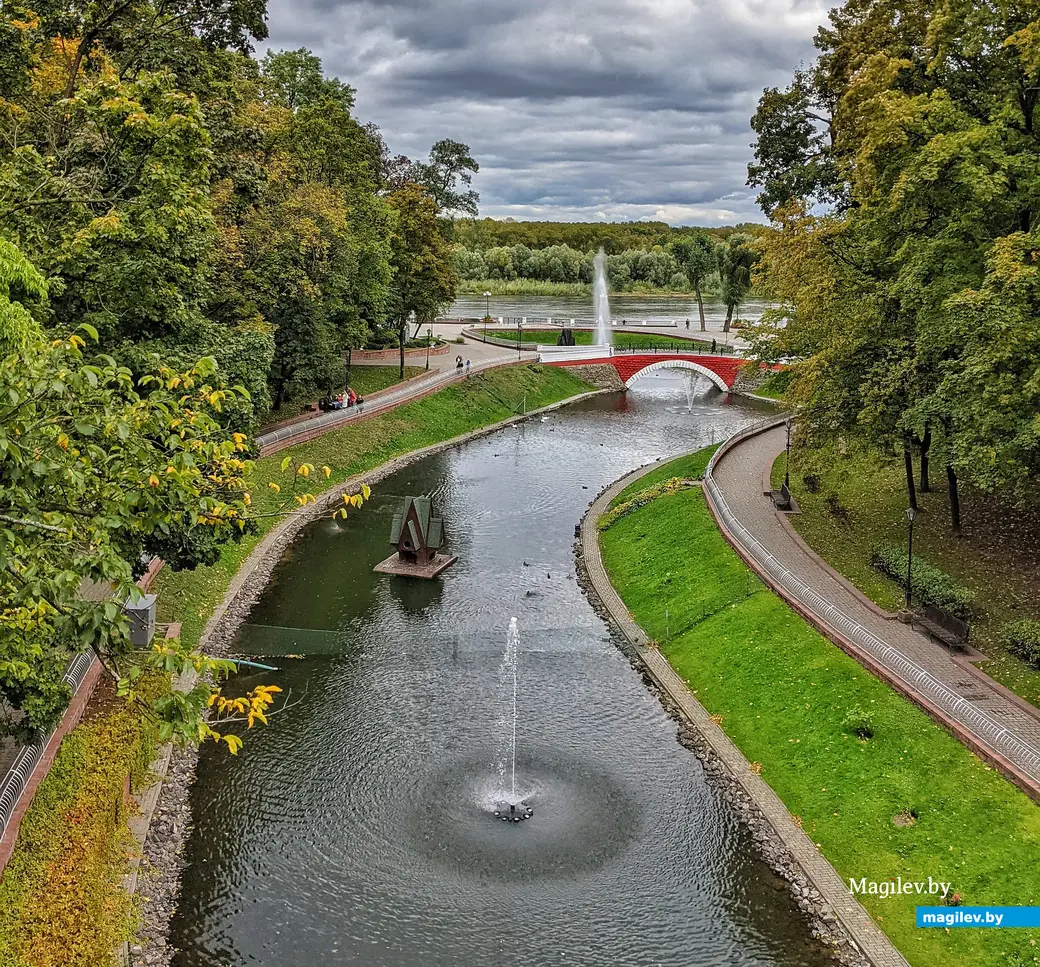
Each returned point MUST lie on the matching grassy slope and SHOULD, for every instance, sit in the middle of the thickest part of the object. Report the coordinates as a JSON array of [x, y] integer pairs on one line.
[[997, 555], [191, 596], [690, 467], [783, 692]]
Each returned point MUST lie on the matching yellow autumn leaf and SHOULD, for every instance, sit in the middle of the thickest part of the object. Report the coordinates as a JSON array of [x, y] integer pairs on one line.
[[328, 472], [275, 488], [366, 491]]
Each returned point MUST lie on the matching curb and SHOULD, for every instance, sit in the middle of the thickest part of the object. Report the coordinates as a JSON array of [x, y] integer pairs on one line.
[[975, 743], [867, 937]]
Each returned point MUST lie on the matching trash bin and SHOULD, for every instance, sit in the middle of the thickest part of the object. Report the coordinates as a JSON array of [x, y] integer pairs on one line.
[[142, 620]]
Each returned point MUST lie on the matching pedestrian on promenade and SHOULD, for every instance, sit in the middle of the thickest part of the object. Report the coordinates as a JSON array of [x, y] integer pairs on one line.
[[714, 345], [467, 369], [687, 325]]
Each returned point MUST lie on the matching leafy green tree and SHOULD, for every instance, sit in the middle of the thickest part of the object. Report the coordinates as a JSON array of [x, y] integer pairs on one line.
[[447, 176], [695, 254], [736, 259], [294, 79], [425, 280]]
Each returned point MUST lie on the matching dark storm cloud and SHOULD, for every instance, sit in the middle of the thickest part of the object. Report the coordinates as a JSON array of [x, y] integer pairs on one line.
[[588, 109]]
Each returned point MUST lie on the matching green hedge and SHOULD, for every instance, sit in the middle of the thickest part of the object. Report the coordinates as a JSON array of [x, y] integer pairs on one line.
[[61, 902], [930, 586], [1022, 638]]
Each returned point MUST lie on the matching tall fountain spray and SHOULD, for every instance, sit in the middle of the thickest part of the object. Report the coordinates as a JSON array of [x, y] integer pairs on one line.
[[601, 300], [512, 651], [511, 810]]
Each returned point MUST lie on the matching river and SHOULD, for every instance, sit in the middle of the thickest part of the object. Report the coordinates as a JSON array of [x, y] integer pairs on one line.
[[653, 308], [356, 830]]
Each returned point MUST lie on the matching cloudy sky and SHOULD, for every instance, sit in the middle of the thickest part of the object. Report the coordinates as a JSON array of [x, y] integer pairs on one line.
[[579, 110]]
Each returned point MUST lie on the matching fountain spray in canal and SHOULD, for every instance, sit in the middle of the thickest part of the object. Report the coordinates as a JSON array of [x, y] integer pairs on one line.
[[601, 300], [511, 809]]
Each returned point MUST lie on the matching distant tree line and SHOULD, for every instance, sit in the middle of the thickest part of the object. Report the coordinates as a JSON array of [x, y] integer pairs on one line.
[[613, 237]]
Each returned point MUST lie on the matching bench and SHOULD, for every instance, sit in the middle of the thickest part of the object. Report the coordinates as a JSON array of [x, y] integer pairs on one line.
[[944, 627], [781, 498]]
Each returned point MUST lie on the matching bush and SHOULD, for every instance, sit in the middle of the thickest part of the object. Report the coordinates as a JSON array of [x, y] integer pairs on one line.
[[61, 903], [930, 586], [859, 723], [1022, 638], [812, 483]]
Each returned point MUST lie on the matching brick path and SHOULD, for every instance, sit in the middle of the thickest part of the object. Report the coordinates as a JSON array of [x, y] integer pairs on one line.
[[868, 937], [996, 724]]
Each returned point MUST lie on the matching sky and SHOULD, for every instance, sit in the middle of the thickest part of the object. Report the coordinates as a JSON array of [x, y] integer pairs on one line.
[[576, 110]]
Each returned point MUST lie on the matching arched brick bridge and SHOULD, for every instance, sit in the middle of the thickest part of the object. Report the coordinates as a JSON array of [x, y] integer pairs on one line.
[[721, 370]]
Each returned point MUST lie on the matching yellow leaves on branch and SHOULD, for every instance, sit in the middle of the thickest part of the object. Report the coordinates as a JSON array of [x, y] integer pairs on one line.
[[253, 707]]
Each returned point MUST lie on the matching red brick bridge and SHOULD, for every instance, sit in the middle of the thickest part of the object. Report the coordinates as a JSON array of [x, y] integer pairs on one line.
[[721, 370]]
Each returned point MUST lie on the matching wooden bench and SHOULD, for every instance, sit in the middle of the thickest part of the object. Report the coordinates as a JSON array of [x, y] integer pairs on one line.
[[944, 627]]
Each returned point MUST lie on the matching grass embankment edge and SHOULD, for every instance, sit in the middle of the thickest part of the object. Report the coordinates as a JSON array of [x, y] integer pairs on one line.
[[910, 801], [480, 403]]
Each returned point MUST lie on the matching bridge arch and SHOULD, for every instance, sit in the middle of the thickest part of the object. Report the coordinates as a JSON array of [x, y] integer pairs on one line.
[[679, 364]]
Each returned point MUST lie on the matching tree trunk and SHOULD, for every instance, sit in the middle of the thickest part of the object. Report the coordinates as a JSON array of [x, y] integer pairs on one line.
[[955, 500], [908, 460], [279, 394], [700, 306], [926, 444], [729, 318]]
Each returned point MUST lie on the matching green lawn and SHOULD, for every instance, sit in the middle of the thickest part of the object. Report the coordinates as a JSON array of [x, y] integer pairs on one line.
[[998, 554], [365, 380], [690, 467], [623, 340], [191, 596], [785, 696]]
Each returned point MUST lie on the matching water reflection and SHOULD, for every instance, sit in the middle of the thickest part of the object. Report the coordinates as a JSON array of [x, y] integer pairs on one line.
[[356, 829]]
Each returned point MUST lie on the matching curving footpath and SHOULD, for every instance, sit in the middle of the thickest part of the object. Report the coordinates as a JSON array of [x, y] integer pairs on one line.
[[996, 724], [868, 938]]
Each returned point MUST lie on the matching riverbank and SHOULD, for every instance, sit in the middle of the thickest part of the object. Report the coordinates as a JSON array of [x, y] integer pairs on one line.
[[363, 453], [858, 501], [878, 787]]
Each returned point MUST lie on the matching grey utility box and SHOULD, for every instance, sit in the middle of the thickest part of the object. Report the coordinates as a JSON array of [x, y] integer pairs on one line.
[[142, 620]]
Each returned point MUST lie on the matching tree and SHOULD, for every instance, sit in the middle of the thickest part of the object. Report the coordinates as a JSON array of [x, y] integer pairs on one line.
[[449, 164], [294, 79], [96, 468], [425, 279], [736, 261], [695, 254]]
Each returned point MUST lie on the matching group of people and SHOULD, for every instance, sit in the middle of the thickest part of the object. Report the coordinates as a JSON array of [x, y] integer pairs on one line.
[[458, 365], [341, 402]]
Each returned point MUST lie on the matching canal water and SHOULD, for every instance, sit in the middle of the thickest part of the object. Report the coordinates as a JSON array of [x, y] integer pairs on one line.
[[357, 829]]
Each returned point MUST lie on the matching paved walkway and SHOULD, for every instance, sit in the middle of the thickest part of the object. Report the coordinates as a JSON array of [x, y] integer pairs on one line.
[[997, 724], [869, 938]]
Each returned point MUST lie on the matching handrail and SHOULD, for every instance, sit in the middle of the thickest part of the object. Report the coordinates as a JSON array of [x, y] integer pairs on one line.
[[14, 782], [966, 713]]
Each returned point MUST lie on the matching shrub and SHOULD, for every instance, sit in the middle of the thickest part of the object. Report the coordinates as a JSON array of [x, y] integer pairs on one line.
[[812, 483], [61, 903], [640, 500], [835, 507], [1022, 638], [930, 586], [859, 723]]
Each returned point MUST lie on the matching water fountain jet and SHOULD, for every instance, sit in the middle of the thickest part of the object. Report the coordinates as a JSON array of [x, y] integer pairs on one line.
[[510, 809], [601, 300]]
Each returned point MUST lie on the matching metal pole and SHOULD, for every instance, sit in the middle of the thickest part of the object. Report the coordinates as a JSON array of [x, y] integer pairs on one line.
[[909, 562], [787, 459], [487, 312], [519, 336], [429, 339]]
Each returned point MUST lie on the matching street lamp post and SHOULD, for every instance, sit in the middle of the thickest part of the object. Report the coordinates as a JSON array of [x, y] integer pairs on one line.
[[910, 515], [519, 336], [787, 459], [487, 311], [429, 339]]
